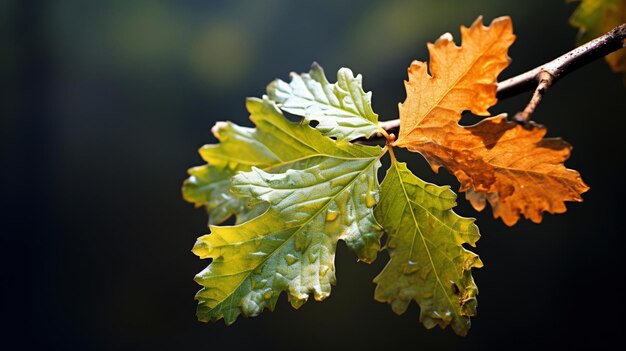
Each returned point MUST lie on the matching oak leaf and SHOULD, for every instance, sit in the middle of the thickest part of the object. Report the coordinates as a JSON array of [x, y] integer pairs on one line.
[[461, 78], [427, 263], [343, 109], [274, 141], [503, 163], [511, 166], [317, 191]]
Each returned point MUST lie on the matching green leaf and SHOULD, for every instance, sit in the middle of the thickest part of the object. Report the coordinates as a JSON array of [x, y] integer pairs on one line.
[[314, 200], [428, 263], [209, 186], [343, 109], [273, 142], [596, 17]]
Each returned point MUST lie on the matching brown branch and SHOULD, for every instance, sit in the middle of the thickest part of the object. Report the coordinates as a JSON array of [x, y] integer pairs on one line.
[[542, 77]]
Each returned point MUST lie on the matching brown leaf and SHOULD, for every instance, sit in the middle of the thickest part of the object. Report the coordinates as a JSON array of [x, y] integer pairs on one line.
[[510, 166], [513, 168]]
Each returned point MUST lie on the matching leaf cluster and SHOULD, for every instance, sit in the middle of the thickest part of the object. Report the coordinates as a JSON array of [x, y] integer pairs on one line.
[[296, 190]]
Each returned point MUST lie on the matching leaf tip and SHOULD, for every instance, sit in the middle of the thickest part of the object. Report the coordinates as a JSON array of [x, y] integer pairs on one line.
[[444, 38], [218, 128]]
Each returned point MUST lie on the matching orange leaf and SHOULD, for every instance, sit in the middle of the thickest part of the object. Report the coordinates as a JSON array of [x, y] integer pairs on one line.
[[462, 78], [510, 166], [514, 168]]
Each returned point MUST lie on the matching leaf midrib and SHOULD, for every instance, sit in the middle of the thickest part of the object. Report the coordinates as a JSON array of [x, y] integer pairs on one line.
[[423, 241]]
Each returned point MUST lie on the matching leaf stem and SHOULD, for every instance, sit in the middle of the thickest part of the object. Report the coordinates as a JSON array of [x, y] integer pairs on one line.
[[537, 78], [393, 156], [390, 138], [545, 80]]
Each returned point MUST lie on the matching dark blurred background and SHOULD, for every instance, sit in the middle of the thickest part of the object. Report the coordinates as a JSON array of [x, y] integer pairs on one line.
[[105, 103]]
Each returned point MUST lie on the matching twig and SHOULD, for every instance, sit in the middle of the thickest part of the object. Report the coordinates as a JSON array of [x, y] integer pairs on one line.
[[545, 80], [542, 77]]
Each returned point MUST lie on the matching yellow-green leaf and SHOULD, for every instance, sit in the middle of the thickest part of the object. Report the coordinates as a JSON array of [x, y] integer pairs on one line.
[[273, 142], [596, 17], [343, 109], [314, 200], [428, 262], [209, 186]]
